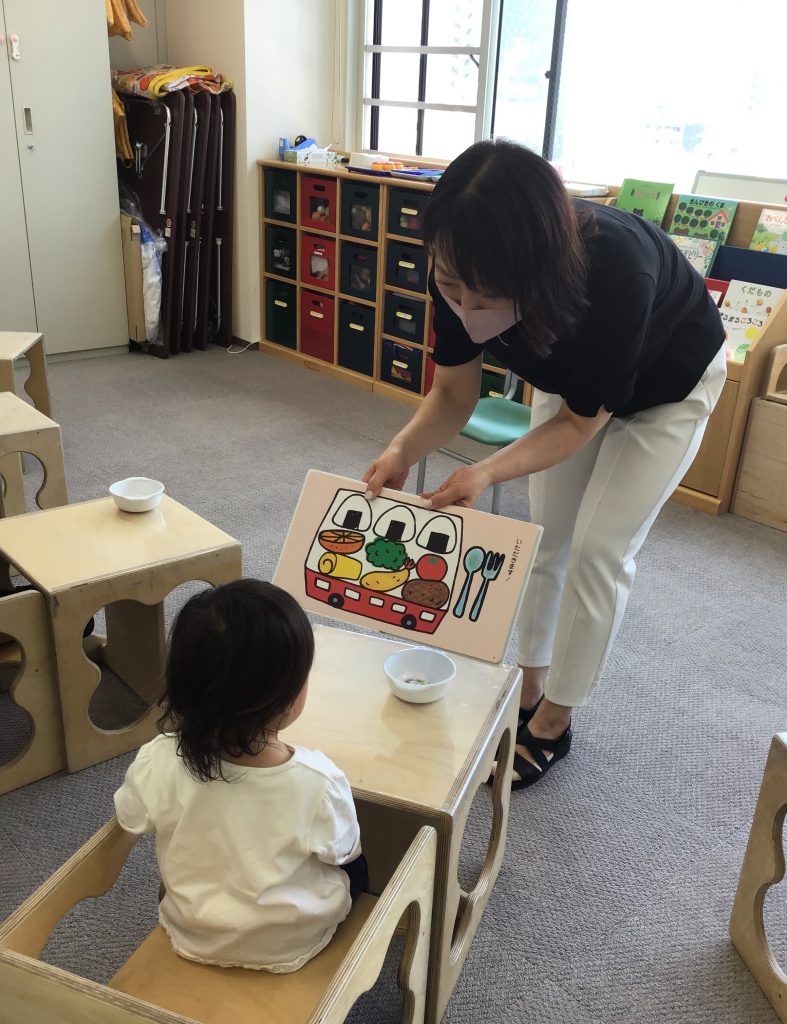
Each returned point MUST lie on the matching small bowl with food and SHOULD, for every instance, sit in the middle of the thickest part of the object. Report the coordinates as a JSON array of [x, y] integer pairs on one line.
[[419, 675]]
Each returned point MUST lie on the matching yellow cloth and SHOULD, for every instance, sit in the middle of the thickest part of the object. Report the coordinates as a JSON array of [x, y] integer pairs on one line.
[[123, 149], [160, 79]]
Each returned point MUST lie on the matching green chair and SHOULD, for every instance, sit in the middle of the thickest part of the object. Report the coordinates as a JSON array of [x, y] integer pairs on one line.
[[495, 421]]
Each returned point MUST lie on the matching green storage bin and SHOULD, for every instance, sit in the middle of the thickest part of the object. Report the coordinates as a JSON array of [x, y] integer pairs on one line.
[[280, 313]]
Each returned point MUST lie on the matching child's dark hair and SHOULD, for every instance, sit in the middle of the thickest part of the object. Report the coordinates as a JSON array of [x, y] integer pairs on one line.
[[239, 656], [502, 221]]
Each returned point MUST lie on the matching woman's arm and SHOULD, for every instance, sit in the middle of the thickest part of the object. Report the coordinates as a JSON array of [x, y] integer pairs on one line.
[[546, 446], [441, 415]]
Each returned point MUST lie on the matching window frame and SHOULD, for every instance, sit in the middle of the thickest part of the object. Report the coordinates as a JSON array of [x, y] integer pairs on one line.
[[484, 56]]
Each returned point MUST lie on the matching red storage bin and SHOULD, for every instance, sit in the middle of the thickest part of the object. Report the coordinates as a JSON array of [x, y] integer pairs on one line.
[[318, 202], [318, 261], [317, 316]]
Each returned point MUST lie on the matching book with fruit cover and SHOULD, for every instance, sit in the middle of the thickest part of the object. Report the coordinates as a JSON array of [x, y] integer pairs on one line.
[[770, 234], [703, 217], [648, 199], [452, 578], [744, 310], [700, 252]]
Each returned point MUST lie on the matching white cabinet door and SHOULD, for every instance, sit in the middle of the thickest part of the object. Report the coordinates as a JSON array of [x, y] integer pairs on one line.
[[17, 310], [63, 111]]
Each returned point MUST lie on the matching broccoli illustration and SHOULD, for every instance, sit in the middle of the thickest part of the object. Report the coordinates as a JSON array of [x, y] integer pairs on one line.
[[386, 554]]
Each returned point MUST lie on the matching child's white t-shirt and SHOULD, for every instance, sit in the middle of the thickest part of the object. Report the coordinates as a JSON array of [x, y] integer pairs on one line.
[[249, 865]]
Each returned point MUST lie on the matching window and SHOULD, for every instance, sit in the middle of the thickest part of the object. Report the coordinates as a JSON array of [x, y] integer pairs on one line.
[[606, 90], [645, 93], [425, 75]]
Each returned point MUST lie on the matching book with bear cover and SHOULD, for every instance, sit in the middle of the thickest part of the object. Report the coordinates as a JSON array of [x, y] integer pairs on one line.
[[452, 578]]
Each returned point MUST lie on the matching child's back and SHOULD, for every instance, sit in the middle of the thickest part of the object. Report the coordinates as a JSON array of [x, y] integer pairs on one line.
[[249, 863], [251, 834]]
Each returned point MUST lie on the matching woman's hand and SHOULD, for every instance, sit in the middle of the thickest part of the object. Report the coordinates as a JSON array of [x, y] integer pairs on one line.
[[464, 487], [388, 470]]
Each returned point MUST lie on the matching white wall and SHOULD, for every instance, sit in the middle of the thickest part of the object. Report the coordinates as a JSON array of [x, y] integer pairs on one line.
[[281, 57]]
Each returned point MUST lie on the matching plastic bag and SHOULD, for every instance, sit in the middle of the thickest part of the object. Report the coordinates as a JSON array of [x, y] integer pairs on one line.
[[152, 246]]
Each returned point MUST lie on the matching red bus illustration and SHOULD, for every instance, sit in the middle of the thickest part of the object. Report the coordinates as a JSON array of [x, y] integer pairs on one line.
[[385, 560]]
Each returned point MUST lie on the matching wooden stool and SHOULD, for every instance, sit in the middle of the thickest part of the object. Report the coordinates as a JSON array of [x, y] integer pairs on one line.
[[87, 556], [25, 429], [34, 689], [763, 866], [158, 987], [14, 345]]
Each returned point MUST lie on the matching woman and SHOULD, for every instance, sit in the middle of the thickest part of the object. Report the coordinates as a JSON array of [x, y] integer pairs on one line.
[[605, 317]]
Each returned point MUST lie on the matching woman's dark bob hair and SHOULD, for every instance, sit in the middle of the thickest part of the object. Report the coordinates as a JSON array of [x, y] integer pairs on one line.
[[239, 655], [501, 221]]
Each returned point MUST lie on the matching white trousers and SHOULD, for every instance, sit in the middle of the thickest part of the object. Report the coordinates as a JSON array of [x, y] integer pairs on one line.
[[596, 509]]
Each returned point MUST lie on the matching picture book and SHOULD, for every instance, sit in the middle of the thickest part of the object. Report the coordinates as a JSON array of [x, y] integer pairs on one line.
[[771, 232], [703, 217], [716, 288], [744, 310], [648, 199], [452, 578], [735, 264], [700, 252]]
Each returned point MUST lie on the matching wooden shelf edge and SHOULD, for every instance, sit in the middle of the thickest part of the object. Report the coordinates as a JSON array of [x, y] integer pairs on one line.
[[697, 500]]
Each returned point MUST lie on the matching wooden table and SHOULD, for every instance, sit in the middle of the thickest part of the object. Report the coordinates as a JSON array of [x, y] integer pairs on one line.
[[411, 765], [87, 556]]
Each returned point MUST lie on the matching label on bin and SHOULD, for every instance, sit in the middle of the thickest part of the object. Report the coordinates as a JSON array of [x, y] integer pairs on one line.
[[409, 210], [315, 314], [356, 327], [280, 302], [407, 264], [404, 316]]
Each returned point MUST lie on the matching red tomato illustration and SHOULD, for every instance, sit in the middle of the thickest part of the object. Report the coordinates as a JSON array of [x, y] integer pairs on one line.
[[431, 567]]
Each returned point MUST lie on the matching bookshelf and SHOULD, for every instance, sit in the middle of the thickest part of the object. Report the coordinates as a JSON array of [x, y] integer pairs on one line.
[[378, 336]]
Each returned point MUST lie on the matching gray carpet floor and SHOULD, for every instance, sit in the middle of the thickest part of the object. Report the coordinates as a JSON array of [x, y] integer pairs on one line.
[[620, 869]]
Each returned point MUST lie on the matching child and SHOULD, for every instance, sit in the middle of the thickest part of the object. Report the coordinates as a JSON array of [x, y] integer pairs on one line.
[[255, 839]]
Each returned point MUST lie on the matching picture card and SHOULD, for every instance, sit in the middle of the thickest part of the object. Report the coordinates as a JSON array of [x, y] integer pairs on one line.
[[451, 578]]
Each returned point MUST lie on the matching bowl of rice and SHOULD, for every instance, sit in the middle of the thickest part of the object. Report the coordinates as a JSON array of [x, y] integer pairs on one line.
[[419, 675]]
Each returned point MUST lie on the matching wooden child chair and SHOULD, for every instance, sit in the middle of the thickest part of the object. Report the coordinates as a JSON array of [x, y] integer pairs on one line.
[[763, 866], [25, 429], [496, 421], [157, 986], [30, 655]]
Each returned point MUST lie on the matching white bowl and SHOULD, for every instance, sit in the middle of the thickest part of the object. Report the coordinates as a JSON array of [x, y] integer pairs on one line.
[[419, 675], [137, 494]]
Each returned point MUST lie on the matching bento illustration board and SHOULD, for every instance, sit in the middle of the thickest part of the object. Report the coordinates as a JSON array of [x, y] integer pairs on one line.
[[452, 578]]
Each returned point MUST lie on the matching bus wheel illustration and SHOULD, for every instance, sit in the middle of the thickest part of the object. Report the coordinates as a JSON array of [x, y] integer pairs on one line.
[[409, 621], [336, 600]]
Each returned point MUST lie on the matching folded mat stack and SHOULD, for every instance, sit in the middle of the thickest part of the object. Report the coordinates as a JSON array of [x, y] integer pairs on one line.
[[181, 133]]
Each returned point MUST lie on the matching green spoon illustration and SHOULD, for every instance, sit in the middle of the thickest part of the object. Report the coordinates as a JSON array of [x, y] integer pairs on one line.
[[474, 559]]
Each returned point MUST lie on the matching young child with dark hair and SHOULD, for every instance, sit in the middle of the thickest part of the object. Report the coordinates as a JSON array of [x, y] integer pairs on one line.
[[257, 841]]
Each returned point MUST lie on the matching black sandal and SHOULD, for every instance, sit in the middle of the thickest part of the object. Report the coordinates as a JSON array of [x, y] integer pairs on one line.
[[530, 773]]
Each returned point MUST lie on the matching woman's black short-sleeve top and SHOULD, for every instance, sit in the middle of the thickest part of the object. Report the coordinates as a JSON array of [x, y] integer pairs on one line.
[[649, 333]]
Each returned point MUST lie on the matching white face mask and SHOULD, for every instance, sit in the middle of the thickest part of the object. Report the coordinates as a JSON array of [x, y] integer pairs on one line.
[[483, 324]]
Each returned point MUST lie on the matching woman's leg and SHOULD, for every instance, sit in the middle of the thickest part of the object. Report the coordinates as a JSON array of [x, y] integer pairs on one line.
[[640, 462], [555, 497]]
